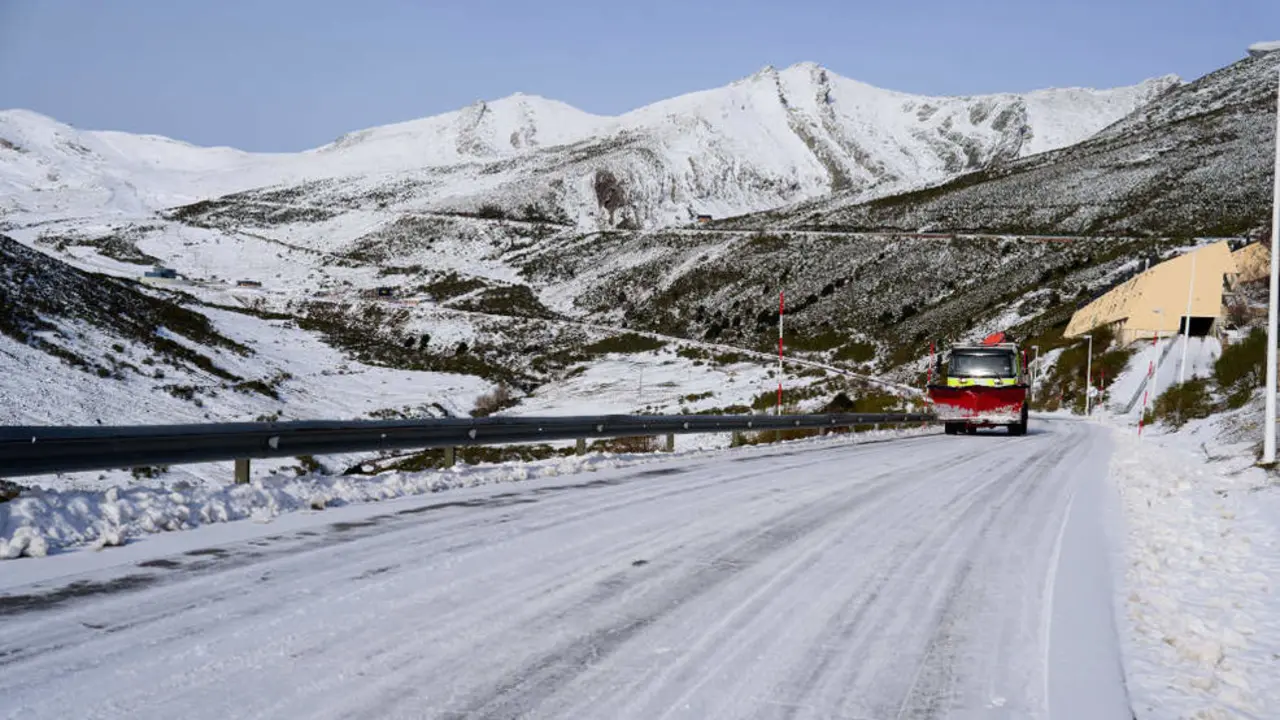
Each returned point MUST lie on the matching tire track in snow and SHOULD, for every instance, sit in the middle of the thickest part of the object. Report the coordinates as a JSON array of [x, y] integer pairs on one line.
[[530, 687], [856, 606], [720, 559], [929, 694], [732, 625]]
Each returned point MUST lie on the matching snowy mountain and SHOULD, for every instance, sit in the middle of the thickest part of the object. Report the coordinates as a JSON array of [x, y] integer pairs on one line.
[[484, 226], [776, 137], [1197, 160]]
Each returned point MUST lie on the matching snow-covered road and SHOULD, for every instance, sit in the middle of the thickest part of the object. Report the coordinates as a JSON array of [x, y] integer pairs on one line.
[[936, 576]]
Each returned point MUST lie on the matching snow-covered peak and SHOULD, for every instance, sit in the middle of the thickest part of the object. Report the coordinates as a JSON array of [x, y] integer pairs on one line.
[[20, 118], [484, 129], [767, 71], [82, 171]]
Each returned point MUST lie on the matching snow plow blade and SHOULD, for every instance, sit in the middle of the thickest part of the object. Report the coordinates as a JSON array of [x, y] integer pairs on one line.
[[979, 405]]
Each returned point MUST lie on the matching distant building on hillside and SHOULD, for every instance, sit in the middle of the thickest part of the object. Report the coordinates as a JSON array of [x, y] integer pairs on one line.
[[248, 284], [159, 271], [1156, 300], [704, 219], [161, 276]]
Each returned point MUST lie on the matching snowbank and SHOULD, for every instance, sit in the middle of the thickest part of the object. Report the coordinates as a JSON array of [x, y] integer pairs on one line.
[[1199, 612], [41, 522], [1202, 353]]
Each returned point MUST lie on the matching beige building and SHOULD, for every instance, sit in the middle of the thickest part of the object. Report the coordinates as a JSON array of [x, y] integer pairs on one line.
[[1156, 301]]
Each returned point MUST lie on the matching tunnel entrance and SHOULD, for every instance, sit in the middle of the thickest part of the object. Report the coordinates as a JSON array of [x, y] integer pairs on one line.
[[1200, 326]]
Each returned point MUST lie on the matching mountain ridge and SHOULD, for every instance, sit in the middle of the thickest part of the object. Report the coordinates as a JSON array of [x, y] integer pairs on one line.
[[1197, 160], [763, 141]]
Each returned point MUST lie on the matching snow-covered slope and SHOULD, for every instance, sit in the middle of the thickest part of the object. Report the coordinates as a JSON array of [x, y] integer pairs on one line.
[[47, 167], [1058, 117], [481, 131], [775, 137], [1202, 352], [79, 348]]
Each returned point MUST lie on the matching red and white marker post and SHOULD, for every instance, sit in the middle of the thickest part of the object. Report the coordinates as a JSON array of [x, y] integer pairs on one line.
[[1151, 371], [1151, 374]]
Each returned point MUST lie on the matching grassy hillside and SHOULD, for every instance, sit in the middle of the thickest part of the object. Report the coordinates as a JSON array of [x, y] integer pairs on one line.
[[864, 301]]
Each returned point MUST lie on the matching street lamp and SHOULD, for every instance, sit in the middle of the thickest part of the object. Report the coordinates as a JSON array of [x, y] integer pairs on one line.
[[1088, 375], [1035, 367], [1269, 440], [1186, 331]]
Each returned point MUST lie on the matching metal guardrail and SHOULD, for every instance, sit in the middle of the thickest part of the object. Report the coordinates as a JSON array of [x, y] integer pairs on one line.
[[38, 450]]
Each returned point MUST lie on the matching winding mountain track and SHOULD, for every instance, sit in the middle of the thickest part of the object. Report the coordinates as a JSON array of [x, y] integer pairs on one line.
[[918, 578]]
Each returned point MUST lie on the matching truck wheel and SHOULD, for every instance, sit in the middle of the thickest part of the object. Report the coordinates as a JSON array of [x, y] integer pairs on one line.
[[1020, 428], [951, 428], [971, 429]]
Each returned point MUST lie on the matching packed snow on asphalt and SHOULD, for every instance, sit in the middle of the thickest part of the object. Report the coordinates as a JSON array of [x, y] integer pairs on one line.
[[924, 577]]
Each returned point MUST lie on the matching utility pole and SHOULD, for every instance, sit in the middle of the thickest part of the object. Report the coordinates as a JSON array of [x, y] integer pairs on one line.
[[1186, 330], [781, 307], [1269, 441]]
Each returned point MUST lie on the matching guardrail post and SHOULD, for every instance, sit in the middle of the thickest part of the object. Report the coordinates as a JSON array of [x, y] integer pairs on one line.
[[736, 439], [876, 427], [581, 446], [450, 456], [671, 442], [242, 471]]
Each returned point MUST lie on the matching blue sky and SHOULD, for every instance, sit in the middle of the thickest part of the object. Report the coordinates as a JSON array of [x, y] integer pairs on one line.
[[284, 75]]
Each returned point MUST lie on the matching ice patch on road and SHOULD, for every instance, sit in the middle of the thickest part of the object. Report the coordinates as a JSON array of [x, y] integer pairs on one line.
[[1200, 615], [44, 521]]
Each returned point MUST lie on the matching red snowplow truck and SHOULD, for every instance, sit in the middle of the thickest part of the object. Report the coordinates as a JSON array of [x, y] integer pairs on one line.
[[981, 385]]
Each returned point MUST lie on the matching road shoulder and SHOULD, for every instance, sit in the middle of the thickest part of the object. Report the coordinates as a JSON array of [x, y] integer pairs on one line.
[[1199, 569]]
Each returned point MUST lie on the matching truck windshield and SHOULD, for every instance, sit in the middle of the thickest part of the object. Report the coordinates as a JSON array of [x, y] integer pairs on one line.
[[981, 364]]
